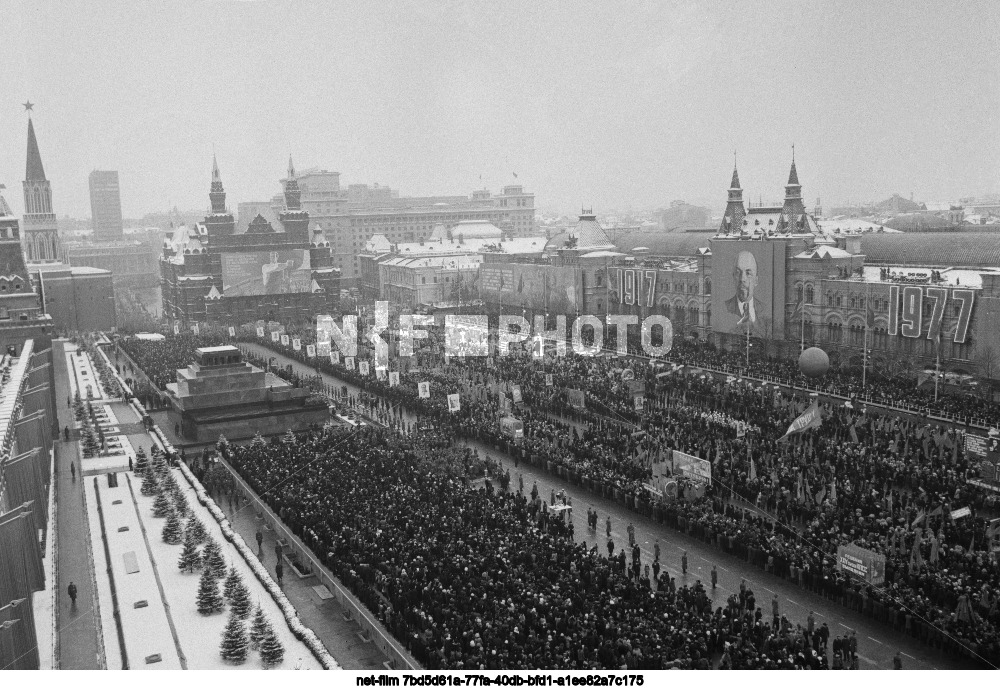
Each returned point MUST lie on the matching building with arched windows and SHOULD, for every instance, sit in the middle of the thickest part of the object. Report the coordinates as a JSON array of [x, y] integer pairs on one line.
[[773, 271], [211, 273]]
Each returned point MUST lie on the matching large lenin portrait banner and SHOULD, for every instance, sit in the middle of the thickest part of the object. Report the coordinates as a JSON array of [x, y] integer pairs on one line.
[[748, 287]]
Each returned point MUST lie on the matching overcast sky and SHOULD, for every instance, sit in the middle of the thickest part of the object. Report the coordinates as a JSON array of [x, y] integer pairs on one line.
[[604, 104]]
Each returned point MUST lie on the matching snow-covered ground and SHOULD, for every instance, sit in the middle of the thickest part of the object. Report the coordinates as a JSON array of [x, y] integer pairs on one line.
[[146, 629], [84, 374], [201, 635]]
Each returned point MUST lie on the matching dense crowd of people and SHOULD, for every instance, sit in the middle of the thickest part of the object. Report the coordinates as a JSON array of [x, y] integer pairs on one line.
[[474, 578], [882, 481]]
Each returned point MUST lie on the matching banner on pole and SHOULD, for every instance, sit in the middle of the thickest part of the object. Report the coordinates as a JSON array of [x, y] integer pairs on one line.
[[363, 368], [335, 357], [260, 331], [639, 402], [424, 389], [575, 398], [692, 467], [275, 336], [862, 563], [453, 403], [961, 513], [548, 380], [177, 329], [284, 339], [232, 332], [310, 350], [393, 378], [812, 418], [195, 329], [349, 363], [516, 394]]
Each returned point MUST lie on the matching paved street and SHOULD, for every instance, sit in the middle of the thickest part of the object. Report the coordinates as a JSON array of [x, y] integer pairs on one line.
[[78, 628], [877, 644]]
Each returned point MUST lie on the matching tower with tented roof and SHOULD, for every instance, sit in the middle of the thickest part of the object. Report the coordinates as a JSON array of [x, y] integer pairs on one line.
[[41, 231]]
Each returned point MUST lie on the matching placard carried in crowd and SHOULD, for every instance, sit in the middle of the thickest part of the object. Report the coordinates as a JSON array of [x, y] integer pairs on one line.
[[575, 398], [693, 468], [862, 563], [284, 339], [453, 403], [515, 393], [363, 368], [260, 331], [310, 350], [296, 344], [232, 332], [349, 363], [393, 378], [335, 357], [548, 380], [424, 389]]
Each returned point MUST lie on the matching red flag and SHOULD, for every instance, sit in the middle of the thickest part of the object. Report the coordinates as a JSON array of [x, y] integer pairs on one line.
[[812, 418]]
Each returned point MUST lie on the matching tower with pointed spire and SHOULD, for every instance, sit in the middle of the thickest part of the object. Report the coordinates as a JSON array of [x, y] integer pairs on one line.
[[793, 208], [294, 219], [732, 220], [220, 221], [41, 232]]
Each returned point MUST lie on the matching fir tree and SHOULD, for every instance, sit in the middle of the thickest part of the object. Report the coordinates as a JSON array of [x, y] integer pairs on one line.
[[239, 600], [231, 580], [196, 530], [172, 531], [272, 652], [141, 462], [235, 645], [180, 502], [149, 485], [258, 627], [161, 506], [190, 559], [78, 408], [209, 599], [214, 560]]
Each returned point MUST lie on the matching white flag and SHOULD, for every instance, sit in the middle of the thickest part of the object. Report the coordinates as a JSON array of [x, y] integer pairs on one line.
[[393, 378], [424, 389], [453, 403]]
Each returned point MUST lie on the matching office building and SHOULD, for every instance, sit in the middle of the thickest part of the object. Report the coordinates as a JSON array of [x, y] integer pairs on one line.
[[106, 206]]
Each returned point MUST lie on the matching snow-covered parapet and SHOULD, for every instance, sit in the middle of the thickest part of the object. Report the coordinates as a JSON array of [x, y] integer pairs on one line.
[[301, 632]]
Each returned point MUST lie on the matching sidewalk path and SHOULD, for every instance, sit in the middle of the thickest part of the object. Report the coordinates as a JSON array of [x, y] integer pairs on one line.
[[78, 627]]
